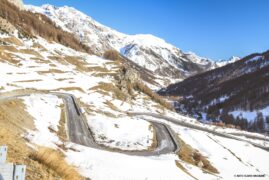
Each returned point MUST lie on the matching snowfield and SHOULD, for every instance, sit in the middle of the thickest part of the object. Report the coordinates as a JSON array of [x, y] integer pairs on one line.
[[104, 165], [123, 133], [222, 151], [250, 115]]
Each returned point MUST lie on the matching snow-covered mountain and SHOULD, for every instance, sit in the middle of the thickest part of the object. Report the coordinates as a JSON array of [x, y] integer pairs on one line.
[[103, 121], [146, 50], [224, 62], [32, 70]]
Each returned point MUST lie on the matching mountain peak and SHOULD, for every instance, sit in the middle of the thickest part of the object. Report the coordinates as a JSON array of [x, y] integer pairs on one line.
[[234, 58], [149, 40]]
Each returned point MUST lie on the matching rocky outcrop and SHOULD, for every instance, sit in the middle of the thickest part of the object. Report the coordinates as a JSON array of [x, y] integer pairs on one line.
[[6, 26], [18, 3], [126, 79], [131, 75]]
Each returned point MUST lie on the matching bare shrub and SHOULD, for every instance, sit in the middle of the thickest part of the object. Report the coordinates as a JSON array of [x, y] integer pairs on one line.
[[112, 55], [192, 156]]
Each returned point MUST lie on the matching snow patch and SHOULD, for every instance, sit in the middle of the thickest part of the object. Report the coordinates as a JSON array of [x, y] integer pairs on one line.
[[46, 112], [250, 115], [123, 132]]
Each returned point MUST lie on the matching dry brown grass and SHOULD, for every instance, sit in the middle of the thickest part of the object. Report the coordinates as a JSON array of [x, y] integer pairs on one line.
[[13, 112], [192, 156], [57, 71], [130, 88], [39, 60], [52, 65], [80, 64], [62, 134], [20, 92], [31, 52], [69, 89], [33, 80], [154, 139], [112, 55], [115, 63], [63, 79], [18, 152], [98, 69], [89, 108], [13, 85], [154, 96], [102, 74], [8, 48], [39, 47], [58, 59], [13, 121], [112, 106], [54, 160], [12, 40], [9, 58]]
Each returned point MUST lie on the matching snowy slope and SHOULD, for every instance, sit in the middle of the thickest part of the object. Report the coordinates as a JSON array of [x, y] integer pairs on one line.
[[43, 120], [35, 65], [225, 62], [146, 50]]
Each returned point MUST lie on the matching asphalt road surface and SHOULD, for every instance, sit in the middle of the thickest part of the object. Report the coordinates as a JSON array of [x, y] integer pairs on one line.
[[77, 128]]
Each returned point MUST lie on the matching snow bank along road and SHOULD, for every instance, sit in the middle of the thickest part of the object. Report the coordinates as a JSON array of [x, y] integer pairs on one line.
[[197, 127], [78, 130]]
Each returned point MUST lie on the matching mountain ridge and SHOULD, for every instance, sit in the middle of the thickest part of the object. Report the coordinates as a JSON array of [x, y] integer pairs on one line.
[[146, 50], [235, 94]]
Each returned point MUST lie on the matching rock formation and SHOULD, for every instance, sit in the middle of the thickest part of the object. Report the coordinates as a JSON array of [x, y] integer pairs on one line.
[[18, 3]]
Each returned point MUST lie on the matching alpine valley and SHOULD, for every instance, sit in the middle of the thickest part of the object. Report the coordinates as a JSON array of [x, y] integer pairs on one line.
[[80, 100]]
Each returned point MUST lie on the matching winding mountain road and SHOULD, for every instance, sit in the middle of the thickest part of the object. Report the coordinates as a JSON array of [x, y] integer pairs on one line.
[[77, 127], [79, 132], [197, 127]]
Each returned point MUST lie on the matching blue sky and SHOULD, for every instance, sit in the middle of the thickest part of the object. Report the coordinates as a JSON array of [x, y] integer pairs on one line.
[[216, 29]]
